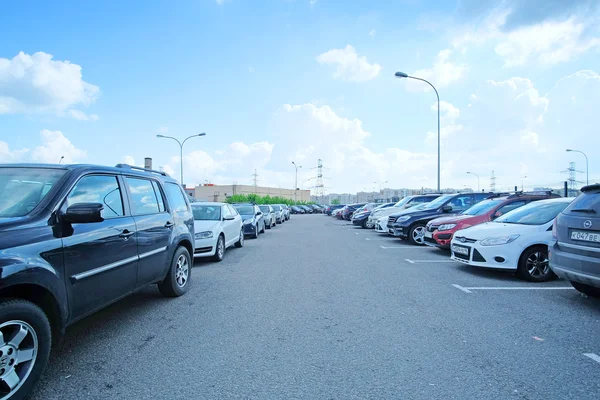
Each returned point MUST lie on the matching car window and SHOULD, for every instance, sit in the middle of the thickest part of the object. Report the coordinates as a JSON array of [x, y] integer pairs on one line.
[[439, 201], [159, 197], [586, 203], [245, 210], [22, 189], [461, 203], [102, 189], [509, 207], [143, 196], [176, 197], [482, 207], [206, 212], [536, 213]]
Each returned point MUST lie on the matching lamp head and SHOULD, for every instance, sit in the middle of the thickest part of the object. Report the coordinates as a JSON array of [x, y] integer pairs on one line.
[[401, 75]]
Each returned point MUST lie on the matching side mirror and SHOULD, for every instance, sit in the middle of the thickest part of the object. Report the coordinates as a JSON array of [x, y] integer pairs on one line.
[[447, 208], [83, 213], [496, 214], [258, 213], [229, 218]]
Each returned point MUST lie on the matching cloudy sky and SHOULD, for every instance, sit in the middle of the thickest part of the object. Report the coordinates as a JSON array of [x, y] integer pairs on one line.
[[276, 81]]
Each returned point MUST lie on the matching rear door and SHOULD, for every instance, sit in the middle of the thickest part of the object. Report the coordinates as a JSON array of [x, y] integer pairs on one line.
[[154, 227]]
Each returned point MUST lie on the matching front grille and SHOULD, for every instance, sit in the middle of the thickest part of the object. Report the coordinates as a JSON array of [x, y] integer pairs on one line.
[[391, 220], [444, 236], [203, 250], [477, 256], [461, 256], [463, 239]]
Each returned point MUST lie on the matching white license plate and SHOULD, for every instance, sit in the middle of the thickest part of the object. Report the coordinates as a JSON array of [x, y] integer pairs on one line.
[[585, 236], [429, 234], [460, 250]]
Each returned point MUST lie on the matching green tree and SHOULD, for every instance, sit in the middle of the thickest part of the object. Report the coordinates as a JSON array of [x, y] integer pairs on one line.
[[335, 201]]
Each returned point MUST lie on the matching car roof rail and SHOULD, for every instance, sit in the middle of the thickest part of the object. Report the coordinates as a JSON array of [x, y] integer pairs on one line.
[[133, 167], [532, 193], [499, 194]]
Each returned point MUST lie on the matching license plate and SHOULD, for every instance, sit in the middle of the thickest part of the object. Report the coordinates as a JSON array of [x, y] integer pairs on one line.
[[429, 235], [460, 250], [585, 236]]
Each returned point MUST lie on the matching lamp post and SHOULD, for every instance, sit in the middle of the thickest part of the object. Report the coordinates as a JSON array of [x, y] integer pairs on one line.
[[587, 171], [181, 147], [404, 75], [473, 173], [296, 184], [522, 180], [61, 158]]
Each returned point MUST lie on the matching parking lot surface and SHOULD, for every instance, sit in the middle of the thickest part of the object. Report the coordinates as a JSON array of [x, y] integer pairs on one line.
[[319, 309]]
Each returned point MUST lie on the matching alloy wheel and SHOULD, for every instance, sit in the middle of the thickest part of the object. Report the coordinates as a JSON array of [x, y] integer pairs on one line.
[[537, 264], [418, 235], [182, 271], [221, 247], [18, 353]]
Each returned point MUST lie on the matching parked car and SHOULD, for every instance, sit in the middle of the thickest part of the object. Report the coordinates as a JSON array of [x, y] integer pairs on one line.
[[329, 209], [217, 226], [381, 225], [405, 203], [349, 210], [253, 219], [74, 239], [279, 214], [315, 208], [360, 215], [307, 209], [286, 211], [439, 231], [515, 241], [411, 225], [337, 213], [297, 210], [268, 215], [575, 248]]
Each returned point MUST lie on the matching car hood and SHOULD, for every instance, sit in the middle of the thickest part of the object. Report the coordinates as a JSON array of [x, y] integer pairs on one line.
[[245, 217], [362, 214], [203, 226], [493, 229], [386, 211], [458, 218]]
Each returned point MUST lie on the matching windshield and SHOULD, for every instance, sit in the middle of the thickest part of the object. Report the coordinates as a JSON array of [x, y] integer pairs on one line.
[[403, 201], [536, 213], [264, 209], [22, 189], [276, 208], [245, 210], [438, 202], [482, 207], [204, 212]]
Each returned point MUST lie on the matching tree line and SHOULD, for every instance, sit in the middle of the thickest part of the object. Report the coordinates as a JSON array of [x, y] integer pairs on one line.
[[255, 198]]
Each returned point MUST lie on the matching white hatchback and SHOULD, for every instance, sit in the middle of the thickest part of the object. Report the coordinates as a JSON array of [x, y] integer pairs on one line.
[[518, 241], [217, 226]]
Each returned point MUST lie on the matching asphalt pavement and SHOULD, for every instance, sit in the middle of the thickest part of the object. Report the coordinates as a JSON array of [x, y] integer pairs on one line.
[[318, 309]]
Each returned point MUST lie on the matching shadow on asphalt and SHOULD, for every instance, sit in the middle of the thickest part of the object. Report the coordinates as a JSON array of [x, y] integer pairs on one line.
[[490, 274]]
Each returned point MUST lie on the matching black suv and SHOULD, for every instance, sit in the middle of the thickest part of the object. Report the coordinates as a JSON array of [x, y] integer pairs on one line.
[[74, 239], [411, 225]]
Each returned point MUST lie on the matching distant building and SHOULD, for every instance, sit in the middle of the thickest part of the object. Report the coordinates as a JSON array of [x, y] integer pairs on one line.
[[222, 192]]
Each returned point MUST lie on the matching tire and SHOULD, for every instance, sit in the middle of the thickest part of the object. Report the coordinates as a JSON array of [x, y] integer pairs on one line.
[[263, 228], [240, 242], [586, 289], [177, 281], [534, 266], [255, 232], [219, 249], [37, 339], [416, 235], [268, 226], [363, 224]]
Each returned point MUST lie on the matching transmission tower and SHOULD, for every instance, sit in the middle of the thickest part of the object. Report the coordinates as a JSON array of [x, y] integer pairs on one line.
[[573, 182], [493, 182], [255, 180]]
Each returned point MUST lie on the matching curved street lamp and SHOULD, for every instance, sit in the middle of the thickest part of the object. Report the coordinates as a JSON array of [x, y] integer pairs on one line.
[[473, 173], [587, 171], [181, 147], [404, 75]]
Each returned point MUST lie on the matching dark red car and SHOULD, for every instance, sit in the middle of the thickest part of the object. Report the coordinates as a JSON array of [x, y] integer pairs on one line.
[[439, 231]]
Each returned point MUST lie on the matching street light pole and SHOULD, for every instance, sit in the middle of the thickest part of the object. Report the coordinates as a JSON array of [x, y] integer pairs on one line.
[[181, 148], [473, 173], [61, 158], [296, 184], [522, 179], [403, 75], [587, 171]]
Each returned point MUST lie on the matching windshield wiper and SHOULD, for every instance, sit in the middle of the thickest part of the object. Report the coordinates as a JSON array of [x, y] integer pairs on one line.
[[584, 210]]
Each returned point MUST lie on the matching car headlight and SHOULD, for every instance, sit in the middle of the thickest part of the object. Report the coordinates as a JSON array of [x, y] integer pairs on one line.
[[203, 235], [495, 241], [446, 227], [402, 219], [248, 222]]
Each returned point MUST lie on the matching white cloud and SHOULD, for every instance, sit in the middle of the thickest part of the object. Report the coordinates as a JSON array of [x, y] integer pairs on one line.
[[129, 160], [81, 116], [448, 122], [37, 83], [349, 65], [443, 73], [56, 145]]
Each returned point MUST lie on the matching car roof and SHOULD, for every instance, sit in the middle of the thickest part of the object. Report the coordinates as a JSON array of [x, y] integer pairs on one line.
[[555, 200]]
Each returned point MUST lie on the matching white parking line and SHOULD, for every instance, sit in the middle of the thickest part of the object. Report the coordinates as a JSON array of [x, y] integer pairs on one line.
[[405, 247], [393, 247], [429, 261], [377, 239], [593, 356], [470, 289]]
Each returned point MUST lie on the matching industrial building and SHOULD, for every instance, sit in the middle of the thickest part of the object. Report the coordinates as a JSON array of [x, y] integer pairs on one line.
[[212, 192]]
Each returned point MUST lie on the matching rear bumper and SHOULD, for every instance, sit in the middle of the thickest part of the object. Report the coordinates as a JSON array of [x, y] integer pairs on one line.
[[574, 267]]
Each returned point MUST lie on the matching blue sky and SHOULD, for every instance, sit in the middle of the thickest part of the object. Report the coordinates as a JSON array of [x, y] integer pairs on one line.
[[281, 80]]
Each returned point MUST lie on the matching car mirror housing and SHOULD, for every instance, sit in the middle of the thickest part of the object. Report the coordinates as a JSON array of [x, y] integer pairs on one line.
[[83, 213], [447, 208]]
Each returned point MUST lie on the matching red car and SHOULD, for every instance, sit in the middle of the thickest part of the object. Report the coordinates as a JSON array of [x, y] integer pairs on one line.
[[439, 232]]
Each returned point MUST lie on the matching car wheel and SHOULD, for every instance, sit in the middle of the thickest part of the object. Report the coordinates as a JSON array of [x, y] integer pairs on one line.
[[255, 236], [586, 289], [268, 226], [240, 242], [417, 235], [263, 228], [219, 249], [364, 224], [25, 343], [534, 266], [177, 280]]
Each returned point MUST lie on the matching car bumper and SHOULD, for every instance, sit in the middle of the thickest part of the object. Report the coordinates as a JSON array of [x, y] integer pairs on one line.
[[439, 239], [494, 257], [204, 247], [574, 267], [399, 230], [249, 229]]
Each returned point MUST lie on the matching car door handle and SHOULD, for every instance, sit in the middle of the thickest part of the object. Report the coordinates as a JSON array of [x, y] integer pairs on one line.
[[169, 224], [126, 234]]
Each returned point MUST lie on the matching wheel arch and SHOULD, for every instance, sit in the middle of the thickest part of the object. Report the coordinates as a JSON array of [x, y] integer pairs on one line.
[[531, 246], [188, 245]]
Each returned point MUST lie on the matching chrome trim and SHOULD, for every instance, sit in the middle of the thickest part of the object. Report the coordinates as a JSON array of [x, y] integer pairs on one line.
[[579, 247], [103, 268], [153, 252]]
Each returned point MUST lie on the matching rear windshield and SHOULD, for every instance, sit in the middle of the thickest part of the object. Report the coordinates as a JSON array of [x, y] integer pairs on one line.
[[22, 189], [482, 207], [536, 213], [585, 203]]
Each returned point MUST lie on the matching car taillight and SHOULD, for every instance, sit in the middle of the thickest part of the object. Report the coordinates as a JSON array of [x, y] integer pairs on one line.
[[554, 235]]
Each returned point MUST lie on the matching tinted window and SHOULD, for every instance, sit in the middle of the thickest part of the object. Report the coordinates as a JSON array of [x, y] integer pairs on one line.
[[536, 213], [159, 197], [22, 189], [461, 203], [512, 206], [439, 201], [101, 189], [265, 209], [483, 207], [584, 202], [204, 212], [245, 210], [143, 196], [176, 197], [403, 201]]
